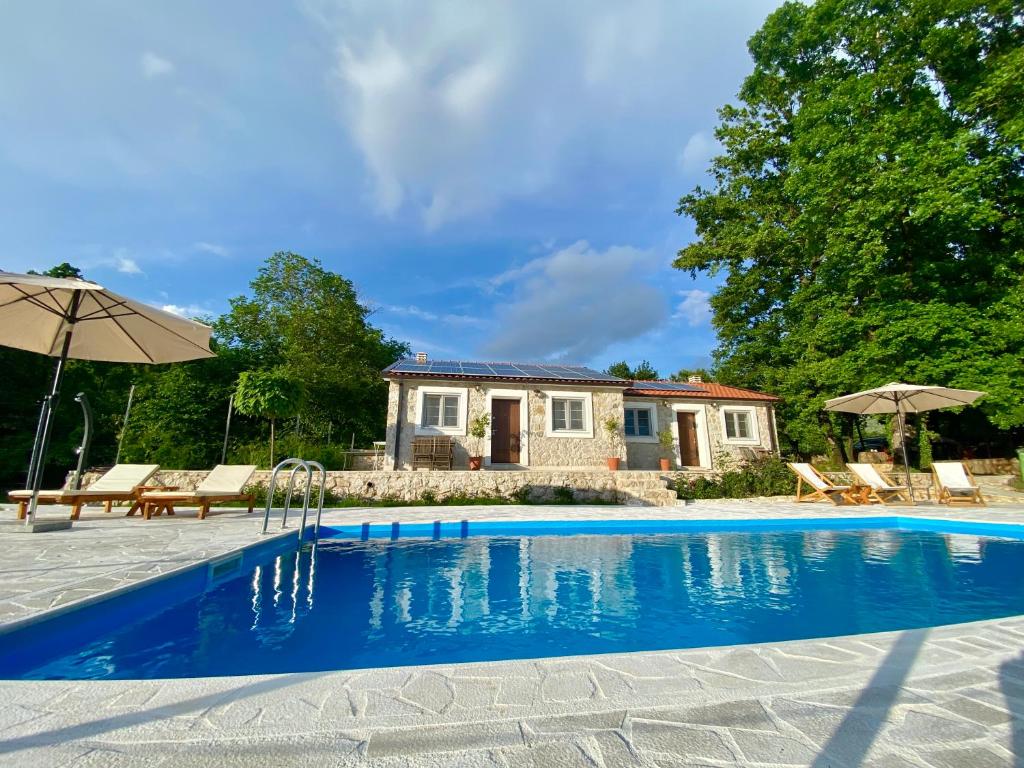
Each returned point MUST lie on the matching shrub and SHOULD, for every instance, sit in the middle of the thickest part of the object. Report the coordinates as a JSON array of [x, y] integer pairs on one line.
[[563, 494], [429, 498], [762, 477], [521, 495]]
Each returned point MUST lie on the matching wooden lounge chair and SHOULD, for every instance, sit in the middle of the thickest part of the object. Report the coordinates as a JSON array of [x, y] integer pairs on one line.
[[120, 483], [820, 487], [226, 482], [955, 483], [879, 487]]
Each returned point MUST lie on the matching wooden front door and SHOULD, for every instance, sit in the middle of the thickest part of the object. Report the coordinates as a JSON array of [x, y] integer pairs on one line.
[[504, 431], [689, 455]]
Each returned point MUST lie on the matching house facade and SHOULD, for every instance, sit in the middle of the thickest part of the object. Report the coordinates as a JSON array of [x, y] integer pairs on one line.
[[552, 416]]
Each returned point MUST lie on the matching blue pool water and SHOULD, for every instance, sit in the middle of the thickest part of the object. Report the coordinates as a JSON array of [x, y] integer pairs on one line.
[[350, 603]]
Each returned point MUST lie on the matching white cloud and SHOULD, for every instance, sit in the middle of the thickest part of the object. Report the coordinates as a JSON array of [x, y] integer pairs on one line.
[[573, 304], [127, 266], [697, 153], [155, 66], [189, 310], [695, 308], [212, 248], [418, 313], [457, 109]]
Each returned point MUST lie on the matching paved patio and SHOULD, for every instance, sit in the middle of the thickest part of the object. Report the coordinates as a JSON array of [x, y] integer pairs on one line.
[[949, 696]]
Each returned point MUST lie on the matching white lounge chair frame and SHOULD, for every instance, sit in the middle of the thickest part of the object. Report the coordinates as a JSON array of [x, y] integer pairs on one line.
[[956, 484], [879, 487], [820, 487]]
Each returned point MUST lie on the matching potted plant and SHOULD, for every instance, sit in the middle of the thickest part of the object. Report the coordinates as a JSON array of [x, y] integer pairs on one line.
[[478, 431], [667, 449], [611, 426]]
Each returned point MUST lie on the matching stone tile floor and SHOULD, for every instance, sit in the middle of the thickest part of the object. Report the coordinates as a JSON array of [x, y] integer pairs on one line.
[[948, 696]]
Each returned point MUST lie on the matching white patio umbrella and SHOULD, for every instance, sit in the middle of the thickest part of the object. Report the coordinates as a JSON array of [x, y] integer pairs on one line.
[[71, 318], [900, 398]]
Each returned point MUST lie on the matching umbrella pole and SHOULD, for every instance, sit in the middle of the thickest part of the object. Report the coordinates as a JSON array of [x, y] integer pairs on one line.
[[903, 448], [51, 407]]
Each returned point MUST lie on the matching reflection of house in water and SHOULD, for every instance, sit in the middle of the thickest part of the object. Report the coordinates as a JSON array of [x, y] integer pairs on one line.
[[440, 587], [880, 546], [818, 545], [739, 563], [965, 549]]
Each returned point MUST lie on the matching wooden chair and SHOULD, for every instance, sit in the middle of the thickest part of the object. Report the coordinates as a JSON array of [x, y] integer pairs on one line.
[[437, 452], [119, 483], [956, 484], [879, 487], [820, 487], [226, 482]]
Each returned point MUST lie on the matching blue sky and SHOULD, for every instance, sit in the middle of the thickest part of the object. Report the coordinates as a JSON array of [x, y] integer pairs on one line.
[[498, 179]]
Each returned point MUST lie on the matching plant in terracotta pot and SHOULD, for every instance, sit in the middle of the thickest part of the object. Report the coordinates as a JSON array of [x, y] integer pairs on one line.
[[478, 431], [667, 449], [612, 427]]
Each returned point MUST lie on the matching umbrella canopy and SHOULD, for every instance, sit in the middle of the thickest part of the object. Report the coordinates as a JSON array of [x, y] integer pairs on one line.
[[71, 318], [36, 313], [906, 398], [900, 398]]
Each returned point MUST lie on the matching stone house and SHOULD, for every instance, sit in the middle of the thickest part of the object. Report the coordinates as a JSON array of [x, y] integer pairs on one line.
[[552, 416]]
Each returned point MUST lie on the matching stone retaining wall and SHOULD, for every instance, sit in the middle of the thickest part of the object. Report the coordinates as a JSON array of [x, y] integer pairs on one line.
[[542, 485]]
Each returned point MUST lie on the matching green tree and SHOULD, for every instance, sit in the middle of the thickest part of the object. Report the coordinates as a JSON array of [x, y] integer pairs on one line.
[[866, 210], [643, 372], [269, 394], [309, 323], [683, 374]]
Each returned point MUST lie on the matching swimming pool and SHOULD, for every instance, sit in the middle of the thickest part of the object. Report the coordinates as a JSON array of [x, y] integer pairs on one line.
[[372, 597]]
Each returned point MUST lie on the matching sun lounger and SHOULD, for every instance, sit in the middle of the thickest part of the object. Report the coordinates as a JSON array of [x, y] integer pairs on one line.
[[120, 483], [879, 487], [955, 483], [226, 482], [820, 487]]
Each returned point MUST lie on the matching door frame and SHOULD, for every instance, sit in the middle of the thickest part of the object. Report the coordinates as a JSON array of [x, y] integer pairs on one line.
[[524, 422], [701, 425]]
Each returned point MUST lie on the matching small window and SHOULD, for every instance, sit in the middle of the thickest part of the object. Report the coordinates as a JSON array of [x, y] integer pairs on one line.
[[638, 422], [566, 415], [441, 411], [737, 425]]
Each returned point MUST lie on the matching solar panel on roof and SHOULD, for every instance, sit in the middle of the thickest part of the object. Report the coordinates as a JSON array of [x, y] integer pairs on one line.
[[663, 386]]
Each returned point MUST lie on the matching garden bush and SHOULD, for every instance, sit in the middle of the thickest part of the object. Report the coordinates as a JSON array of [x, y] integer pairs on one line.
[[763, 477]]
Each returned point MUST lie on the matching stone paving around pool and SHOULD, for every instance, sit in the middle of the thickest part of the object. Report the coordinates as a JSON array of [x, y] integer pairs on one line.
[[948, 696]]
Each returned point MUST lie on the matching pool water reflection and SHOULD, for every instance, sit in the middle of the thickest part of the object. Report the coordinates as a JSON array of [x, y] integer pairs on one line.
[[352, 604]]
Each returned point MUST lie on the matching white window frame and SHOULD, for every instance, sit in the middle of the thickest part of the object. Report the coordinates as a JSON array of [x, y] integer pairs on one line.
[[522, 396], [588, 413], [751, 411], [421, 398], [652, 408]]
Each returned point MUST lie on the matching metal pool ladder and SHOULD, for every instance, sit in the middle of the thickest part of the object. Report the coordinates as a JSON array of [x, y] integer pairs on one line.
[[295, 465]]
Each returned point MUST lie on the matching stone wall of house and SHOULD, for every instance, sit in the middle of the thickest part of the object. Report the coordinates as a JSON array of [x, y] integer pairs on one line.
[[541, 485], [543, 451], [646, 455]]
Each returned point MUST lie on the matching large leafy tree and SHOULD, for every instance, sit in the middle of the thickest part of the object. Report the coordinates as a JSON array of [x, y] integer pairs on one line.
[[866, 210], [308, 323]]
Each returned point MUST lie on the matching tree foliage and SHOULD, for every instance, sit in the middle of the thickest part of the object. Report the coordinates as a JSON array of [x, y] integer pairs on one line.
[[866, 209], [270, 394], [644, 371]]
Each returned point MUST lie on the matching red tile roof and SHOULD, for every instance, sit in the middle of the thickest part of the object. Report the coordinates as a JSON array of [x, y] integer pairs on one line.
[[708, 391]]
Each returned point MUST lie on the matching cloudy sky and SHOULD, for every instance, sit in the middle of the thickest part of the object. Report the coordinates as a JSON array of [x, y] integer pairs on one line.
[[498, 179]]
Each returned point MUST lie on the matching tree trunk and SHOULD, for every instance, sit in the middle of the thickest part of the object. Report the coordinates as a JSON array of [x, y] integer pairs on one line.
[[271, 444]]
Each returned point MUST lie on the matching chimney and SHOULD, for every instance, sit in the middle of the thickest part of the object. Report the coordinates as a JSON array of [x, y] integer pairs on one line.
[[421, 358], [694, 380]]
